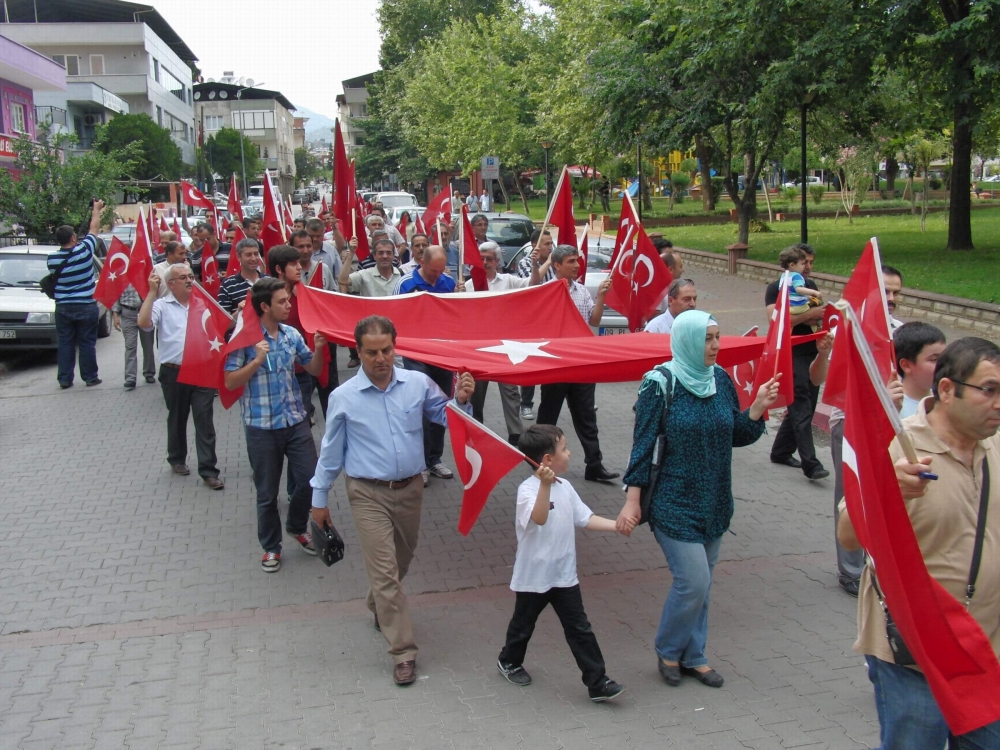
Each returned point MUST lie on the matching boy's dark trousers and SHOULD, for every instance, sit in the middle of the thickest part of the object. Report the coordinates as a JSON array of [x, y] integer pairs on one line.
[[568, 604]]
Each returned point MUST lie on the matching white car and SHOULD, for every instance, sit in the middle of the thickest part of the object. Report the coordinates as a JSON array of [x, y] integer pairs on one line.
[[810, 180], [27, 316], [391, 200]]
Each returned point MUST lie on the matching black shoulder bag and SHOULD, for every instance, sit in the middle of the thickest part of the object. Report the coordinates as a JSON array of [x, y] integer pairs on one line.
[[900, 651], [49, 281], [658, 453]]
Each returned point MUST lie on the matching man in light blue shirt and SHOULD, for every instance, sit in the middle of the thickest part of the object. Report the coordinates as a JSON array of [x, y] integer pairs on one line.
[[375, 435]]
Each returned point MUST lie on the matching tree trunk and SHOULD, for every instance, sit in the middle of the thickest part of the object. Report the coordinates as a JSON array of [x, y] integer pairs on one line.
[[745, 212], [960, 211], [647, 203], [891, 172], [704, 154], [503, 190], [923, 202], [520, 189]]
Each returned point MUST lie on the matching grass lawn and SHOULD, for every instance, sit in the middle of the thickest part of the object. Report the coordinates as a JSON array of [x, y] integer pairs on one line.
[[921, 257]]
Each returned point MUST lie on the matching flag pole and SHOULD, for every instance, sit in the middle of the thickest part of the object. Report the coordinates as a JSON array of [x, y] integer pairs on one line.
[[354, 224], [461, 244]]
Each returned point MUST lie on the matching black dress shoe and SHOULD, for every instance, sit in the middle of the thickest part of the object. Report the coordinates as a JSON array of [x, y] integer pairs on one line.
[[95, 381], [672, 675], [600, 474], [790, 461], [819, 473], [377, 626], [150, 379], [851, 587], [711, 678]]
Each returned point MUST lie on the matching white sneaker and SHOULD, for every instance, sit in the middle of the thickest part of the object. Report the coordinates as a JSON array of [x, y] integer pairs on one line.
[[426, 475], [441, 471], [527, 413]]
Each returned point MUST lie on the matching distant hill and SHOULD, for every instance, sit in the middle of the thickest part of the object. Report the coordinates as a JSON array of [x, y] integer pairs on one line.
[[319, 126]]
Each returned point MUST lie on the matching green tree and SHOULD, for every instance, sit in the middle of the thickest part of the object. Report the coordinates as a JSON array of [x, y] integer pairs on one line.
[[306, 165], [222, 154], [51, 191], [158, 156], [950, 46], [674, 72]]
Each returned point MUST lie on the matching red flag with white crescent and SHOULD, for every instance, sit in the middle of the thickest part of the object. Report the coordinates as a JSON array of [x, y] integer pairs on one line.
[[233, 264], [561, 211], [438, 209], [192, 196], [233, 204], [777, 356], [619, 295], [210, 278], [639, 281], [247, 331], [114, 274], [482, 459], [272, 231], [584, 248], [743, 376], [205, 338], [469, 249], [140, 258]]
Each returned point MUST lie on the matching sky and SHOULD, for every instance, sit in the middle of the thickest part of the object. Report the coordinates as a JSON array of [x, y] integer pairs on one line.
[[302, 48]]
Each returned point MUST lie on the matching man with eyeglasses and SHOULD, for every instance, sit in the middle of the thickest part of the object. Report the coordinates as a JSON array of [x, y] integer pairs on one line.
[[955, 436], [168, 315]]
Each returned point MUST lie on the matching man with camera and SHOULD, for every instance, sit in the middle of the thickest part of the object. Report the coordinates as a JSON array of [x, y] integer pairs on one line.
[[77, 315], [955, 436]]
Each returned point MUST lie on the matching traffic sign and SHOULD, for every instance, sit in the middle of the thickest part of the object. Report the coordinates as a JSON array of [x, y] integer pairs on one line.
[[491, 168]]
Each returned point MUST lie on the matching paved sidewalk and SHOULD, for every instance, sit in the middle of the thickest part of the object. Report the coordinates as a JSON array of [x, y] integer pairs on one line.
[[135, 614]]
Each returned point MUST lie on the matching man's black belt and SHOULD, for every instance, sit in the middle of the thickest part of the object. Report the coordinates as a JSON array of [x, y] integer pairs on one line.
[[394, 484]]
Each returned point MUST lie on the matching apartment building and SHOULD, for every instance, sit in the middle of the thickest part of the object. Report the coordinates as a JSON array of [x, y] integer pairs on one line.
[[352, 106]]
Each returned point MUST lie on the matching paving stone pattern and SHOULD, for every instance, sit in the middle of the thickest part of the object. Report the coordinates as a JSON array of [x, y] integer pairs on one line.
[[135, 615]]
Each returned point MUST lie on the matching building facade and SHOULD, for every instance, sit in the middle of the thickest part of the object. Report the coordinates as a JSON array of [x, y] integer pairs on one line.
[[80, 109], [24, 74], [263, 116], [352, 108], [143, 66]]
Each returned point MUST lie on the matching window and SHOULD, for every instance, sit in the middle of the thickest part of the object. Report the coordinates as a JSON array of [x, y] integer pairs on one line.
[[154, 69], [253, 119], [17, 122], [70, 62], [159, 116], [359, 140], [97, 65], [172, 84], [178, 128], [214, 122]]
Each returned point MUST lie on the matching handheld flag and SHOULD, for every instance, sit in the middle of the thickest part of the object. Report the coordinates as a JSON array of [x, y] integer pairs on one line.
[[210, 278], [584, 257], [140, 259], [639, 281], [469, 252], [192, 196], [233, 264], [247, 332], [404, 222], [272, 232], [561, 211], [205, 337], [777, 356], [482, 459], [743, 376], [233, 205], [343, 193], [438, 208], [114, 278]]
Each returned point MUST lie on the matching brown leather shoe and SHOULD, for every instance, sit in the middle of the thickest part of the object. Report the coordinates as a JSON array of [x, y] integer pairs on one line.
[[181, 469], [215, 483], [405, 672]]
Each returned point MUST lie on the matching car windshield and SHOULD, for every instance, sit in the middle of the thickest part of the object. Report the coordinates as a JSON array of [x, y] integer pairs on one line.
[[597, 261], [22, 270], [390, 201], [509, 233]]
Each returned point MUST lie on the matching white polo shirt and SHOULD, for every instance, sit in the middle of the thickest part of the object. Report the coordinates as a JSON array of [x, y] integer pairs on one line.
[[170, 322]]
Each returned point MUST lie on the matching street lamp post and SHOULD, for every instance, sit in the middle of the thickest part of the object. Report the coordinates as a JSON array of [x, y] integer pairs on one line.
[[546, 145], [804, 229]]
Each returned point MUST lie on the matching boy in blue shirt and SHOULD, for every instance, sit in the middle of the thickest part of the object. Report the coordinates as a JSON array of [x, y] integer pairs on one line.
[[793, 260], [548, 512]]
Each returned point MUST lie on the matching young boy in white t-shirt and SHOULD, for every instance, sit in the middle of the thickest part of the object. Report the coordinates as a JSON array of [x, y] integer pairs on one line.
[[548, 512]]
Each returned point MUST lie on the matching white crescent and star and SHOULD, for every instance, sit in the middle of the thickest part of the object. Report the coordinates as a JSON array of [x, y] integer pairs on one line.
[[519, 351], [111, 271], [642, 260], [476, 462]]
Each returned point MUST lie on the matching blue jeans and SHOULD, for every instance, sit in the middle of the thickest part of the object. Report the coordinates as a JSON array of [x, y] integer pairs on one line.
[[267, 450], [76, 326], [909, 716], [683, 627]]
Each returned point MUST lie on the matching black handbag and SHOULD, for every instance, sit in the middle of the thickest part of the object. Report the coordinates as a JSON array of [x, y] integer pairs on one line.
[[658, 453], [328, 543], [900, 651]]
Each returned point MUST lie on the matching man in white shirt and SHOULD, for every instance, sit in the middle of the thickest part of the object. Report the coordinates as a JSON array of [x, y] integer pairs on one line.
[[681, 296], [168, 315], [485, 202], [176, 253], [419, 243]]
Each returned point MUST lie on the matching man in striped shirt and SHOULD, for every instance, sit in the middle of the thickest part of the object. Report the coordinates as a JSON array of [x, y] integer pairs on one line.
[[77, 315], [233, 291]]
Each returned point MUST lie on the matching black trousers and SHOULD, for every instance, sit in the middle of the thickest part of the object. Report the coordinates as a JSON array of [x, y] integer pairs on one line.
[[333, 382], [580, 397], [795, 433], [568, 604], [433, 432], [183, 400]]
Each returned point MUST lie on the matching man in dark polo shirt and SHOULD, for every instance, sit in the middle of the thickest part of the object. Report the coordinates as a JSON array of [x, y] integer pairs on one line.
[[795, 433]]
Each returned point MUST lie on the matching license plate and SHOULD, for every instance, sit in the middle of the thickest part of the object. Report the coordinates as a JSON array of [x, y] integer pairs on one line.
[[7, 333], [613, 331]]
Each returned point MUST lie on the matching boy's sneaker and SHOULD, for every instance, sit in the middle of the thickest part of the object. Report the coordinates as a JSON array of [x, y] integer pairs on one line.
[[606, 691], [305, 541], [514, 675]]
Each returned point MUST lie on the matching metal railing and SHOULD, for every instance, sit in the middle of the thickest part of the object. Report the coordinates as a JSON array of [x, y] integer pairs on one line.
[[54, 115]]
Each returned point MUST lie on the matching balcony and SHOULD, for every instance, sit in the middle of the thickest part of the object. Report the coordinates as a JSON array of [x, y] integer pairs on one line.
[[52, 115]]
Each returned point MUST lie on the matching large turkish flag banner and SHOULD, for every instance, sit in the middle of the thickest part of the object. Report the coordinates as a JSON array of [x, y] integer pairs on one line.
[[482, 459]]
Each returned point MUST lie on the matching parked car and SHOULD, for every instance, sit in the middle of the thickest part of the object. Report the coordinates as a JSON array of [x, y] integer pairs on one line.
[[810, 180], [27, 316], [300, 196], [126, 233], [367, 195], [613, 323], [391, 200]]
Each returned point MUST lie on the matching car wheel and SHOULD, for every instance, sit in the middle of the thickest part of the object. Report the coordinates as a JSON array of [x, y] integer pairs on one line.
[[104, 326]]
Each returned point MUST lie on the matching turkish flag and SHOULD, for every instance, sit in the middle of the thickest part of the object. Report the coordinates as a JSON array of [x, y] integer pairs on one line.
[[546, 310], [233, 205], [743, 376], [438, 209], [140, 258], [164, 227], [469, 250], [177, 229], [831, 317], [286, 210], [618, 296], [865, 290], [482, 459], [361, 233], [584, 257], [947, 642], [154, 227], [323, 207], [205, 337], [777, 356], [533, 361], [640, 280], [113, 281], [247, 332], [343, 193], [560, 214], [420, 226], [272, 232], [192, 196], [316, 282], [233, 265], [210, 278]]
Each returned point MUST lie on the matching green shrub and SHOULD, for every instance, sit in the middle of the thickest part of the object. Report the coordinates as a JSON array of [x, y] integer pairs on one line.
[[679, 182], [935, 183], [718, 187], [792, 193], [817, 191]]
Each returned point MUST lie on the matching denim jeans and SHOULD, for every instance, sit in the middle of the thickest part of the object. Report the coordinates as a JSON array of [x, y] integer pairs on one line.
[[76, 326], [683, 629], [267, 450], [910, 718]]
